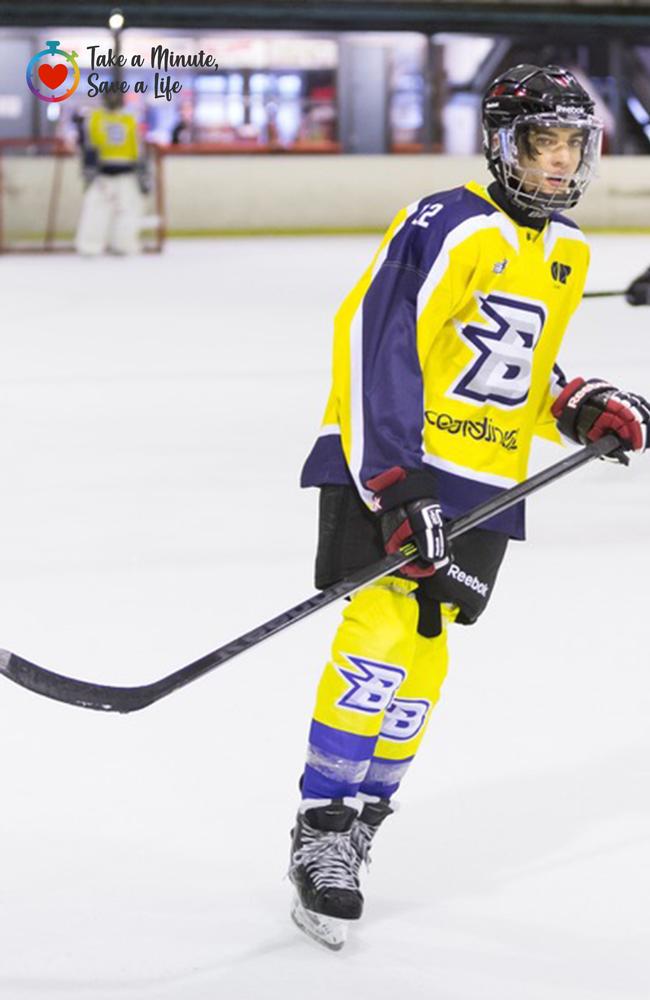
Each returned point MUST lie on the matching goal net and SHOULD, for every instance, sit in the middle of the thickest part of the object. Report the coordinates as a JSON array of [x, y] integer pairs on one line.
[[41, 191]]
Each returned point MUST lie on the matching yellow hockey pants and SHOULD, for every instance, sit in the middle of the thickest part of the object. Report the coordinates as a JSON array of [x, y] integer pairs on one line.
[[375, 695]]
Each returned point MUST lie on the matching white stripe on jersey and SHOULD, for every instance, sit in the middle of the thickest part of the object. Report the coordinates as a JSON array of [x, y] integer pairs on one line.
[[489, 478], [454, 238], [559, 231], [556, 386]]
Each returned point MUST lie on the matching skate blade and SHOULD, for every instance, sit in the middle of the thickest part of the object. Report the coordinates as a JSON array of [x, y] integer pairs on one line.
[[328, 931]]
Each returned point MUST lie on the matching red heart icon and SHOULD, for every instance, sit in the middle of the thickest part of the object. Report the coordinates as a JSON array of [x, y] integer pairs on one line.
[[53, 76]]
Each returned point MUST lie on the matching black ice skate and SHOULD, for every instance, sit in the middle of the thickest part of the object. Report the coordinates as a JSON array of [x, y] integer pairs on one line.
[[373, 814], [324, 869]]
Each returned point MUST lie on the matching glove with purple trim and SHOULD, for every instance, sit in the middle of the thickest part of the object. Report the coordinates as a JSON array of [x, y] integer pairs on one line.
[[408, 509], [586, 411]]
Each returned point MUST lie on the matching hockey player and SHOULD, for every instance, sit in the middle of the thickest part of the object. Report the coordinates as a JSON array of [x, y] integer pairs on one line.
[[444, 366], [112, 206]]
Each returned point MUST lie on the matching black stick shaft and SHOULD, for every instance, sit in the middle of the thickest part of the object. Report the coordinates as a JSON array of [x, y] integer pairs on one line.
[[503, 501], [384, 567], [129, 699]]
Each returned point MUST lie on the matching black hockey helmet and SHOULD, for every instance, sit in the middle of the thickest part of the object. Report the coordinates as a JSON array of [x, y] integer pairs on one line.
[[531, 100]]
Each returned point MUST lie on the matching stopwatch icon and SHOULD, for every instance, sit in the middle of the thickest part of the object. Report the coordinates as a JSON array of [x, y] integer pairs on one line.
[[53, 81]]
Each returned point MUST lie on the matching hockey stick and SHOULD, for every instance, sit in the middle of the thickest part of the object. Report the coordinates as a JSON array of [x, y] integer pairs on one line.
[[105, 698], [637, 292]]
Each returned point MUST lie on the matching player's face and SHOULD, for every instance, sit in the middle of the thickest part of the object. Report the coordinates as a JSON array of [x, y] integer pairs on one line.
[[549, 157]]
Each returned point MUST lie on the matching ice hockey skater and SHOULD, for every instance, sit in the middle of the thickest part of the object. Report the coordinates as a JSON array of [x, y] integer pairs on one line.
[[444, 367], [111, 212]]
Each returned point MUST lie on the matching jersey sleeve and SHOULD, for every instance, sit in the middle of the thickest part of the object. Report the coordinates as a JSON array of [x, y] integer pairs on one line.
[[383, 333], [546, 426]]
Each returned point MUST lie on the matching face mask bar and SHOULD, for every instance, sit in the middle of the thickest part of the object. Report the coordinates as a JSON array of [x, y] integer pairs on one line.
[[525, 181]]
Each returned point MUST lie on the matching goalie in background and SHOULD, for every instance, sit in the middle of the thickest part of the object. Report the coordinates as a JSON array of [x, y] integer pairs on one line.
[[111, 213]]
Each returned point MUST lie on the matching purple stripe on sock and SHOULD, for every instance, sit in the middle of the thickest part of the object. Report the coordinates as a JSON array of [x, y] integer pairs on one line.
[[338, 743]]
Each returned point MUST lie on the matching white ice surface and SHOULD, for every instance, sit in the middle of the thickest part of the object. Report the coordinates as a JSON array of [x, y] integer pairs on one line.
[[155, 415]]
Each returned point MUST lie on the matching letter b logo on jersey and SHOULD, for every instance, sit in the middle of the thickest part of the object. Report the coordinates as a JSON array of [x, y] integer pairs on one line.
[[503, 346]]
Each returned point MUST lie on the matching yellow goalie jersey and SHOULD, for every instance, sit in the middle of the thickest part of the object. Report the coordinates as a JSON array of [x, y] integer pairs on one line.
[[114, 135], [445, 351]]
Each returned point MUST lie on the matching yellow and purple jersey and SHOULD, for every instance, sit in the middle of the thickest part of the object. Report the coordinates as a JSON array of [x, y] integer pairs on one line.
[[445, 351]]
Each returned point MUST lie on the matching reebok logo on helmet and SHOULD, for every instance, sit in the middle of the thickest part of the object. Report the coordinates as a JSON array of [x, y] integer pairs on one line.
[[569, 109]]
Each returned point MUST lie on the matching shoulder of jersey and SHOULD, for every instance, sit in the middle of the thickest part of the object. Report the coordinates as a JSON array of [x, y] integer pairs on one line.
[[564, 220], [568, 226], [563, 228], [430, 222]]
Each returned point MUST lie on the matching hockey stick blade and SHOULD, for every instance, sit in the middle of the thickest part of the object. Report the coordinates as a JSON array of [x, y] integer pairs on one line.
[[106, 698]]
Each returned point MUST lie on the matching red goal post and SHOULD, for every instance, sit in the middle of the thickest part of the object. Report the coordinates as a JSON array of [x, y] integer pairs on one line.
[[41, 191]]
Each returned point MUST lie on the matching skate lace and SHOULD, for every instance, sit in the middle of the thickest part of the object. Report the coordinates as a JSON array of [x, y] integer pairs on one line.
[[362, 837], [330, 859]]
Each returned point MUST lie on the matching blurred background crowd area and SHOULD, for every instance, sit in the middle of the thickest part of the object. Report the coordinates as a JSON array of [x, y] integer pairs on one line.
[[322, 116], [348, 85]]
